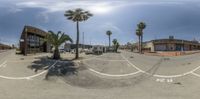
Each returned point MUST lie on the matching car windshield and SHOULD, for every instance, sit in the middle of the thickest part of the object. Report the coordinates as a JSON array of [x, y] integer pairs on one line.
[[99, 49]]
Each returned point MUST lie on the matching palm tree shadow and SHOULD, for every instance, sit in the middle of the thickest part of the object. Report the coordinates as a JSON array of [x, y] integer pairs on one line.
[[42, 63], [60, 68]]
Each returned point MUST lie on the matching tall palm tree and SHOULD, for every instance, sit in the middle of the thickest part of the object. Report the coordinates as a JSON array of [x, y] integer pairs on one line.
[[77, 15], [141, 26], [56, 40], [138, 33], [109, 33]]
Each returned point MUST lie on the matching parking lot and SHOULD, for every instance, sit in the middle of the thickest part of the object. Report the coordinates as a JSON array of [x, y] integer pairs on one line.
[[124, 75]]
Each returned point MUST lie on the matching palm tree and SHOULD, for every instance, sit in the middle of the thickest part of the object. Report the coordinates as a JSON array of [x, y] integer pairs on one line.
[[138, 33], [109, 33], [77, 15], [141, 26], [56, 40], [116, 44]]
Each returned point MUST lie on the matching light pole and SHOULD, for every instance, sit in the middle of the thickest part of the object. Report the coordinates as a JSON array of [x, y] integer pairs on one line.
[[182, 46], [83, 41]]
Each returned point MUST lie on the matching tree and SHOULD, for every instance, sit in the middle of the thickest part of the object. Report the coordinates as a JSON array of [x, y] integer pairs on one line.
[[109, 33], [139, 35], [56, 40], [116, 44], [77, 15], [141, 26]]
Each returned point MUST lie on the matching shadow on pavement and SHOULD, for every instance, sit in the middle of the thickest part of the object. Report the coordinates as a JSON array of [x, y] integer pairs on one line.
[[61, 68], [86, 79], [77, 74]]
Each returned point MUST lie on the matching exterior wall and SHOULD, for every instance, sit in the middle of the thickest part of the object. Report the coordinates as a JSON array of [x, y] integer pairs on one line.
[[151, 46], [4, 47], [160, 47], [32, 41], [172, 45]]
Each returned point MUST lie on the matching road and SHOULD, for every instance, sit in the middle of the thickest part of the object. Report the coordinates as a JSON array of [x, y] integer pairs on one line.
[[101, 77]]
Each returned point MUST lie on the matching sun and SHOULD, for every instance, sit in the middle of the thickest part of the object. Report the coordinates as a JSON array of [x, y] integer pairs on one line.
[[100, 9]]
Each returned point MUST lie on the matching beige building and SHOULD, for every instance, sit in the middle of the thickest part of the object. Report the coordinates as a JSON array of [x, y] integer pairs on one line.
[[171, 44]]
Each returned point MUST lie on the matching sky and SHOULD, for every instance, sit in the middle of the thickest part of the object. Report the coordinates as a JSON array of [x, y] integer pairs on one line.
[[179, 18]]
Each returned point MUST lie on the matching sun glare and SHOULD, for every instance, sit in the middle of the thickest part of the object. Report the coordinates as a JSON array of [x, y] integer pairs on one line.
[[100, 9]]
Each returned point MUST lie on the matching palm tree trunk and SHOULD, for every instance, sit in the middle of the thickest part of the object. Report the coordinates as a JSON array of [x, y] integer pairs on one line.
[[109, 41], [56, 53], [77, 40], [141, 43]]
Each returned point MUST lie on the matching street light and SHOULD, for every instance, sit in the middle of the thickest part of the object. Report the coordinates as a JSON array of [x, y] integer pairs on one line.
[[182, 46]]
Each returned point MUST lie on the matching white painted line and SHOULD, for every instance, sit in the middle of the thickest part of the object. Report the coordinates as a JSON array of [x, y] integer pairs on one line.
[[28, 77], [108, 60], [163, 76], [131, 64], [1, 65], [195, 74], [111, 75], [195, 69], [172, 76], [28, 60], [4, 65]]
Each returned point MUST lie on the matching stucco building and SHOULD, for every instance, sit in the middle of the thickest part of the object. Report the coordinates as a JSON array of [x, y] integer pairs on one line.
[[171, 44]]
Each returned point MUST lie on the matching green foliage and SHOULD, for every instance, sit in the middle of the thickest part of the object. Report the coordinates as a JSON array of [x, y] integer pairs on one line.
[[116, 44], [108, 33], [141, 25], [139, 32], [77, 15], [56, 40]]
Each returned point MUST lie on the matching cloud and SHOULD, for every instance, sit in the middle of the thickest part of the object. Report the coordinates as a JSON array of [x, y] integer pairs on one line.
[[94, 6], [111, 27]]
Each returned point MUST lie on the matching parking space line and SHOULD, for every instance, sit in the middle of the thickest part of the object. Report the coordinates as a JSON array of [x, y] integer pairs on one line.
[[4, 63], [131, 63], [28, 77], [195, 74], [165, 76], [111, 75], [108, 60]]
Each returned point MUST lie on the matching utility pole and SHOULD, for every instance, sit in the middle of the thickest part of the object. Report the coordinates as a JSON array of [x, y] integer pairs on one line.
[[83, 41]]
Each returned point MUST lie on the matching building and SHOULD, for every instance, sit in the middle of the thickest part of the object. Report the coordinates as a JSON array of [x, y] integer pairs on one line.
[[4, 47], [171, 44], [32, 41]]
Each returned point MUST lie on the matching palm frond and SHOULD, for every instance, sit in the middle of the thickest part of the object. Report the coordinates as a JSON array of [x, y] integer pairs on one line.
[[109, 32], [57, 39], [77, 15]]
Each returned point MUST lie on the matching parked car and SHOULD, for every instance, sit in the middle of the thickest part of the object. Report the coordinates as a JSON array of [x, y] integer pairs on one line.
[[98, 50], [89, 51], [62, 51]]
